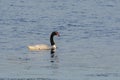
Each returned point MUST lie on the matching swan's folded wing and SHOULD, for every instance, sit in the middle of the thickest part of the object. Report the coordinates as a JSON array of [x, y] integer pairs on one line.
[[39, 47]]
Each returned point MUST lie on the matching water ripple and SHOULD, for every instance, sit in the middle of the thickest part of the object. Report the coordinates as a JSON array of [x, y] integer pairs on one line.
[[104, 75]]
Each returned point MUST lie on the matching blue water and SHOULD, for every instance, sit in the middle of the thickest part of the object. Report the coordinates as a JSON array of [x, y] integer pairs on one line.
[[88, 49]]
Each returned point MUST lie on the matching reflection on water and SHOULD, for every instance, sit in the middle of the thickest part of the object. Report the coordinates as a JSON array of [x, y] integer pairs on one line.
[[53, 53], [54, 57]]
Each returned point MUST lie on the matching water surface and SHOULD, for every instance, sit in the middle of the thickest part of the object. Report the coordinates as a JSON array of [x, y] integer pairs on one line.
[[88, 48]]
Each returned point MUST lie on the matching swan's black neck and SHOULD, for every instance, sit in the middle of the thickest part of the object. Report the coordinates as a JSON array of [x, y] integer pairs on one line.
[[51, 39]]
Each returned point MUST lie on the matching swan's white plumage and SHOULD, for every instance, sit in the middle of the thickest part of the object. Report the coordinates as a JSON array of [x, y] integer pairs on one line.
[[41, 47]]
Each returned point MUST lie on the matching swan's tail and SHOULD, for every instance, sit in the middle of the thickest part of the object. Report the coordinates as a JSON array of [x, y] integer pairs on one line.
[[31, 48]]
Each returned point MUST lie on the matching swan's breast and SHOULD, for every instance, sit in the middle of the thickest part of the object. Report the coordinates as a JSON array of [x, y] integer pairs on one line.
[[53, 47]]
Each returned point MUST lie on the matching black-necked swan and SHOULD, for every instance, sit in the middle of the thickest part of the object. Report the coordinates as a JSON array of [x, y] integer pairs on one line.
[[43, 46]]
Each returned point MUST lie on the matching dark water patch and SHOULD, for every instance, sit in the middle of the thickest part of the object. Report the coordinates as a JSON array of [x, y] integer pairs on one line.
[[24, 59], [107, 3], [22, 20], [3, 42], [85, 37], [4, 23], [26, 79], [16, 21], [11, 47], [60, 28], [98, 22], [1, 20], [74, 25], [117, 20], [104, 75], [20, 5]]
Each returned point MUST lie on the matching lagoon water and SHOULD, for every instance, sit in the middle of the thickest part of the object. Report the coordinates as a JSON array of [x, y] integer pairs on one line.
[[88, 49]]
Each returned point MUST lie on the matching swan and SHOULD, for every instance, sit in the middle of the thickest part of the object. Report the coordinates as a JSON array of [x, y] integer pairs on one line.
[[43, 46]]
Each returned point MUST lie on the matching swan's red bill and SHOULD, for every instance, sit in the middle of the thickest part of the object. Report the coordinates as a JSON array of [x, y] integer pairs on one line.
[[57, 33]]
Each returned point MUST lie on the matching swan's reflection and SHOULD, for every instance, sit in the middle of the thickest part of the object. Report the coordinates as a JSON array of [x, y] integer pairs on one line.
[[54, 57], [53, 53], [54, 61]]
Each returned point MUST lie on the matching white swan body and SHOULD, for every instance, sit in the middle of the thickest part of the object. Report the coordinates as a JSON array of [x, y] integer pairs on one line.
[[43, 46]]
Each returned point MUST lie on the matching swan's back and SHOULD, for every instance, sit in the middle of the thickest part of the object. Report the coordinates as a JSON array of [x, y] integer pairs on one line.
[[39, 47]]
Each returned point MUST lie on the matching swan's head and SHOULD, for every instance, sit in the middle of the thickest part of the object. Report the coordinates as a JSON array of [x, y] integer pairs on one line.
[[56, 33]]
